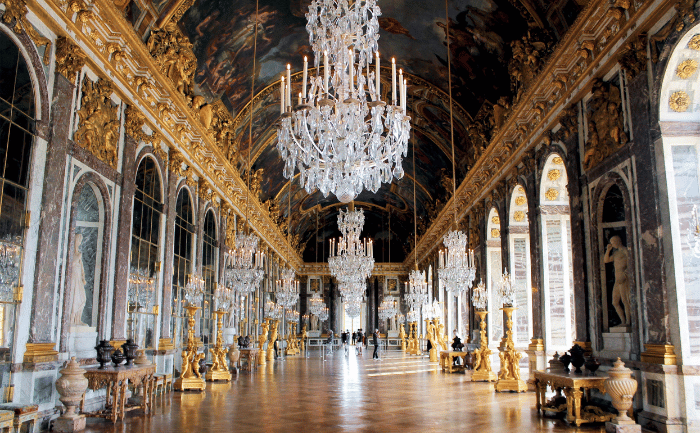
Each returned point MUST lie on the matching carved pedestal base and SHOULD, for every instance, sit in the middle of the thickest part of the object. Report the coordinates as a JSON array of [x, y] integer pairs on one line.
[[218, 375], [189, 383], [69, 425], [433, 355], [511, 385], [617, 343], [611, 427], [484, 376]]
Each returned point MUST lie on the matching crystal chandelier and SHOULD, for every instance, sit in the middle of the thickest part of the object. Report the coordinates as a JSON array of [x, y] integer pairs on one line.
[[351, 290], [350, 258], [287, 289], [10, 252], [141, 288], [194, 289], [244, 264], [506, 289], [316, 305], [291, 316], [412, 316], [225, 297], [341, 135], [456, 263], [323, 314], [388, 309], [480, 297], [353, 309], [416, 290]]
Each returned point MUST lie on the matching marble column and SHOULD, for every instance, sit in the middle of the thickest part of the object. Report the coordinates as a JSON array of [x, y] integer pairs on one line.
[[170, 205], [45, 291], [534, 219], [126, 207]]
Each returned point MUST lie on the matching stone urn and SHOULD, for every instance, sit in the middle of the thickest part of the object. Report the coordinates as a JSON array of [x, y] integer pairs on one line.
[[117, 357], [566, 360], [621, 387], [129, 349], [234, 354], [141, 358], [104, 353], [577, 358], [71, 386]]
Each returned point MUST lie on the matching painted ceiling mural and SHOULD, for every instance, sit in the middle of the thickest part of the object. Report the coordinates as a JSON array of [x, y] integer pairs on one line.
[[484, 38]]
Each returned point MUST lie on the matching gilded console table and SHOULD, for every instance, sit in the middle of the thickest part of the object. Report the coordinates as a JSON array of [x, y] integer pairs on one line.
[[248, 359], [574, 386], [447, 360], [117, 381]]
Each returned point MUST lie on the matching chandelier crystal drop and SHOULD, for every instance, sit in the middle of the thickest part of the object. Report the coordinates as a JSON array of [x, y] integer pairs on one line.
[[245, 264], [456, 264], [353, 309], [287, 289], [350, 258], [340, 135]]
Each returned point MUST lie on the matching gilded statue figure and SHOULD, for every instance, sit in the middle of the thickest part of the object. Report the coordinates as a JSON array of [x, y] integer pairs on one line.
[[616, 253], [263, 333], [304, 336], [605, 124], [482, 360], [402, 337], [440, 336]]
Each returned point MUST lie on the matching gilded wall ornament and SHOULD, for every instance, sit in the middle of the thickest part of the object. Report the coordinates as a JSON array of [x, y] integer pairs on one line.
[[529, 54], [554, 174], [551, 194], [557, 160], [694, 43], [98, 127], [173, 52], [520, 189], [606, 131], [16, 12], [518, 215], [133, 122], [159, 152], [495, 233], [496, 220], [175, 164], [679, 101], [520, 200], [231, 230], [686, 68], [633, 58], [69, 58]]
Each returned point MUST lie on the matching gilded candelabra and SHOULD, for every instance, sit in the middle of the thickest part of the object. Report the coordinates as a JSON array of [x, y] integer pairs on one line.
[[413, 342], [261, 341], [440, 335], [402, 336], [509, 376], [219, 367], [271, 344], [304, 336], [292, 342], [431, 336], [482, 355], [190, 378]]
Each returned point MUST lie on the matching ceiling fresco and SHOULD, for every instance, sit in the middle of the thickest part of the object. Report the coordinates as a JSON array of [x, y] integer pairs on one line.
[[414, 31]]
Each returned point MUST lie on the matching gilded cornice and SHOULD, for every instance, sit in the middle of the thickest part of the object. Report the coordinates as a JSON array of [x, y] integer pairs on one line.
[[585, 52], [113, 48], [384, 269]]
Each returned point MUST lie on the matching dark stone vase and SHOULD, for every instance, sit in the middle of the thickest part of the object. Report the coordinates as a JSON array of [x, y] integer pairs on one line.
[[117, 357], [104, 353], [592, 364], [203, 367], [577, 358], [566, 360], [129, 349]]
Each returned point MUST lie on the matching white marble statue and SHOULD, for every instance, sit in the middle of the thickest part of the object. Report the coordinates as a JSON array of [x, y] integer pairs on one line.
[[314, 323], [617, 254], [230, 323], [392, 323], [77, 284]]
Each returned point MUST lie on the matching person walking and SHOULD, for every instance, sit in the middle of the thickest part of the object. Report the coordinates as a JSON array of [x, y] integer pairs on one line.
[[375, 340]]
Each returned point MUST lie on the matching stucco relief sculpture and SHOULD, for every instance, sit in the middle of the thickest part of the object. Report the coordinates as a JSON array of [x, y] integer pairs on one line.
[[77, 284], [98, 129], [606, 131], [616, 253], [173, 52]]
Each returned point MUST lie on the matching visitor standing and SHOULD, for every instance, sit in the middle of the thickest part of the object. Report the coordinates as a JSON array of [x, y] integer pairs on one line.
[[375, 340]]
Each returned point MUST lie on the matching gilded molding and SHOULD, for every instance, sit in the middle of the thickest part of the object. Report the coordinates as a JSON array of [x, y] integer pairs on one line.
[[686, 68], [16, 12], [551, 194], [40, 352], [70, 59], [694, 43], [663, 354], [679, 101], [98, 128]]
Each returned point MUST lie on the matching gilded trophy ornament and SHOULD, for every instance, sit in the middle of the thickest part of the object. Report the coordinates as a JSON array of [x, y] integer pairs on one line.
[[173, 52], [679, 101], [686, 68], [606, 131], [98, 130], [16, 12]]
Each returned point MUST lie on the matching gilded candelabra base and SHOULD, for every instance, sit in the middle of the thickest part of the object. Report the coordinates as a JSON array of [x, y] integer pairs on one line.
[[482, 355], [261, 341], [433, 355], [191, 378], [509, 376], [271, 344], [219, 368]]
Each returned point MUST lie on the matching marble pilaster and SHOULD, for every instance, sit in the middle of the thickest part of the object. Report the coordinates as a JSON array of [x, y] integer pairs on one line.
[[169, 211], [534, 224]]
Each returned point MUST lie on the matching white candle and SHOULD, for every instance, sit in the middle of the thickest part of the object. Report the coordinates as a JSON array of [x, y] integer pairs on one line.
[[303, 83], [393, 80], [325, 72], [400, 88], [405, 85], [289, 84], [282, 96], [352, 72], [299, 98], [377, 83]]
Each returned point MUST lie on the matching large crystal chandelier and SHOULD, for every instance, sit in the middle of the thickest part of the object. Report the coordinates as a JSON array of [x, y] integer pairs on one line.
[[353, 309], [194, 289], [350, 258], [388, 308], [416, 290], [340, 134], [506, 289], [456, 264], [480, 297], [316, 305], [244, 264], [141, 288]]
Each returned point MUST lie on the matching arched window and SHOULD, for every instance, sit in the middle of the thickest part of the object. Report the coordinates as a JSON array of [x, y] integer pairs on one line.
[[519, 268], [144, 263], [494, 272], [209, 274], [558, 276], [182, 261], [17, 125]]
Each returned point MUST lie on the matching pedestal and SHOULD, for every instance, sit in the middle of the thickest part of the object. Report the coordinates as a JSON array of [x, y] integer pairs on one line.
[[190, 378], [611, 427], [313, 334], [189, 383], [617, 343], [482, 355], [69, 425], [515, 385], [81, 341], [536, 360]]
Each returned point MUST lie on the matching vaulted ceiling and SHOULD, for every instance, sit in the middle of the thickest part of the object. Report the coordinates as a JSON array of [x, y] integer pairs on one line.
[[222, 33]]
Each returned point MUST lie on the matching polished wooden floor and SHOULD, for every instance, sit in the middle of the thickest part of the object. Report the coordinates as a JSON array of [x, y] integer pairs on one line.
[[343, 393]]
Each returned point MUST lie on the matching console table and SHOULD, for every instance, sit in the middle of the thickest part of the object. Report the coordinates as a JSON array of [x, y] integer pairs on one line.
[[248, 359], [117, 380], [575, 386], [447, 360]]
